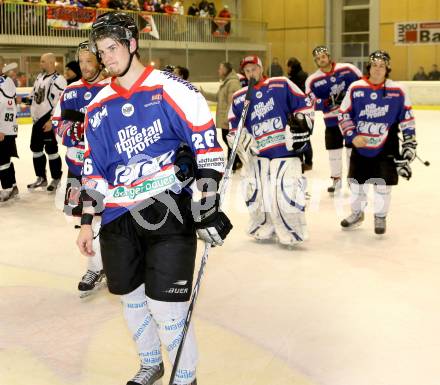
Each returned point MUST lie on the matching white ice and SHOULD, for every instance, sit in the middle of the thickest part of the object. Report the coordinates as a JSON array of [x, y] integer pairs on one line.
[[345, 308]]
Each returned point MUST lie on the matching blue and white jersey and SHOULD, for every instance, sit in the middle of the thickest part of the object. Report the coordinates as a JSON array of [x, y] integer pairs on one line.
[[370, 110], [272, 100], [132, 137], [8, 107], [322, 86], [75, 97], [46, 93]]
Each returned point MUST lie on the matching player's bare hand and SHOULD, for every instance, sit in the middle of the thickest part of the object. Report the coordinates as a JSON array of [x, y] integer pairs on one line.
[[2, 137], [47, 126], [360, 141], [84, 241]]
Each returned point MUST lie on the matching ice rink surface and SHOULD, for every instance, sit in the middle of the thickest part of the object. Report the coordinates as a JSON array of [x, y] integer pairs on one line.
[[344, 308]]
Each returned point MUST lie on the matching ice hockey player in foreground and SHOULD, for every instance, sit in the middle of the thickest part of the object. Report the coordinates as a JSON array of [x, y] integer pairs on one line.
[[68, 123], [133, 131], [277, 130], [327, 87], [372, 113]]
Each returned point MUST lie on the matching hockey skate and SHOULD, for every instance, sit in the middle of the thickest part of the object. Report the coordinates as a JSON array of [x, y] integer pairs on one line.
[[380, 225], [335, 187], [53, 185], [91, 282], [148, 375], [353, 221], [40, 182], [7, 194]]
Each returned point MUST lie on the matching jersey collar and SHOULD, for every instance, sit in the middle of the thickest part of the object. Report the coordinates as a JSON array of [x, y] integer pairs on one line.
[[375, 87], [127, 93], [331, 69]]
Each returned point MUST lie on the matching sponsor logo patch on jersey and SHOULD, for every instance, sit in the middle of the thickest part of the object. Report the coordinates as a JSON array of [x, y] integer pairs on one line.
[[70, 95], [95, 119], [127, 109], [261, 109], [133, 141], [358, 94], [374, 111]]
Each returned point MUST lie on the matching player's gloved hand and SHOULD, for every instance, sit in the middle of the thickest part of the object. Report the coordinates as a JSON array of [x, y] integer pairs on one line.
[[409, 146], [212, 224], [297, 133], [77, 131], [334, 101], [403, 168], [247, 143]]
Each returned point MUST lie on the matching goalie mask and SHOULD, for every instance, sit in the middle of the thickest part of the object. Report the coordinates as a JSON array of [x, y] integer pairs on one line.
[[117, 26]]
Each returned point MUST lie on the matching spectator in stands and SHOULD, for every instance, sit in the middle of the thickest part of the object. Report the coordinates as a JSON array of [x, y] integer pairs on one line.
[[275, 68], [203, 4], [22, 79], [193, 10], [204, 12], [72, 72], [212, 11], [229, 84], [296, 74], [435, 73], [420, 74], [181, 72], [225, 14]]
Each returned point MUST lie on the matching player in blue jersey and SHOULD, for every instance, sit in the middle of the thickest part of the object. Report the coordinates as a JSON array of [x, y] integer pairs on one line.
[[68, 123], [133, 171], [372, 113], [277, 130], [327, 87]]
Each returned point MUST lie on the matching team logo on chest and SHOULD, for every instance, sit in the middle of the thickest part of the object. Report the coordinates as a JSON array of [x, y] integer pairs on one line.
[[87, 95], [127, 109], [373, 96], [258, 94], [333, 79]]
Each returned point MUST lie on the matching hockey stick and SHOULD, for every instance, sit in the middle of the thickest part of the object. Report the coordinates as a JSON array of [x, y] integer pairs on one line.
[[222, 190]]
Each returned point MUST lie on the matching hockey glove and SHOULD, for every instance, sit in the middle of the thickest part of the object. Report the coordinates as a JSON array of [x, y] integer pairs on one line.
[[212, 224], [297, 133], [403, 168], [76, 131], [247, 143], [409, 146]]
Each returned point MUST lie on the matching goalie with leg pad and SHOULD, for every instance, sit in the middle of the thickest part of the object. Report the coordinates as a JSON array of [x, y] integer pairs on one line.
[[277, 132]]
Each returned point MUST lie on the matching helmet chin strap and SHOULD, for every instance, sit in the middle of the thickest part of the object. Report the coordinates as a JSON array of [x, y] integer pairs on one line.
[[94, 77], [128, 65]]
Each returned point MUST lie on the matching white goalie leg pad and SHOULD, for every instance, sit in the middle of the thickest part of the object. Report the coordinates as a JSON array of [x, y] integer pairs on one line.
[[335, 158], [95, 263], [382, 200], [256, 187], [142, 327], [170, 318], [358, 199], [288, 206]]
